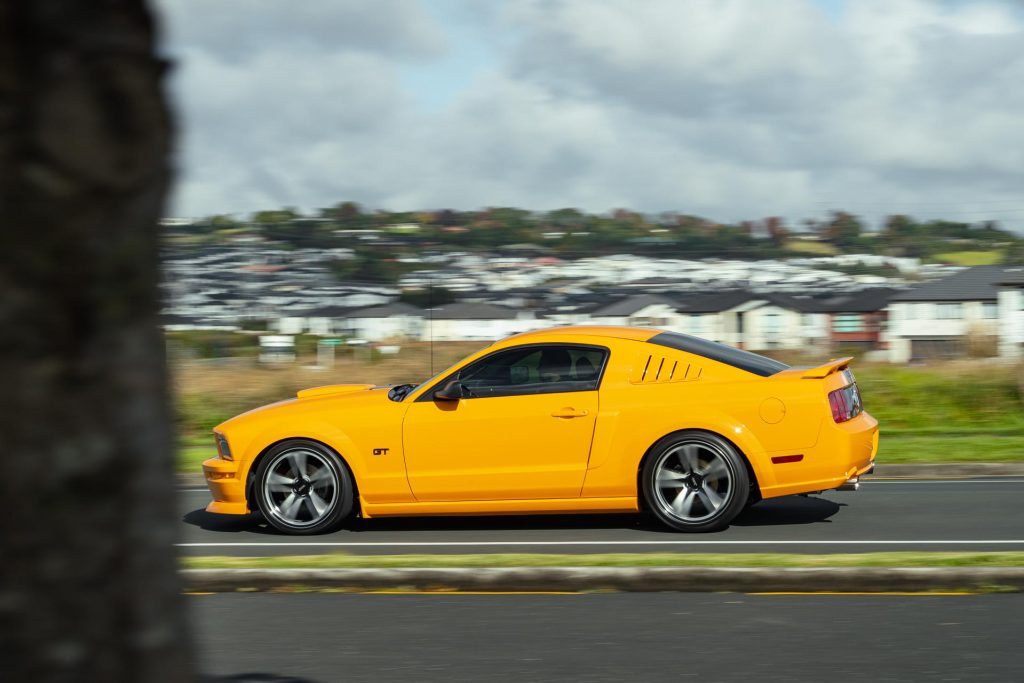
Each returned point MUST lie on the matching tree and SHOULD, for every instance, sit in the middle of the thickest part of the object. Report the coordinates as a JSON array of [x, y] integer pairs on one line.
[[777, 231], [843, 230], [275, 217], [88, 583], [347, 215]]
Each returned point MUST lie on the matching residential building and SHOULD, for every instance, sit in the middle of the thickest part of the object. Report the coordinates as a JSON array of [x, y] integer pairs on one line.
[[943, 318], [1011, 312], [475, 321], [397, 320], [641, 310], [858, 319]]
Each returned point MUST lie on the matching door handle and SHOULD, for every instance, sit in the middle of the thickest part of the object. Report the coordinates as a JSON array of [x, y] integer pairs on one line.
[[570, 412]]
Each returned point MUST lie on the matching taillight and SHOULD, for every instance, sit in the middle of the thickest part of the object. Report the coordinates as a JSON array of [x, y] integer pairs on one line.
[[845, 403]]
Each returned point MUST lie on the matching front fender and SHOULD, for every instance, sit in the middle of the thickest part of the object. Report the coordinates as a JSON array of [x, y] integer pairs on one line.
[[378, 478]]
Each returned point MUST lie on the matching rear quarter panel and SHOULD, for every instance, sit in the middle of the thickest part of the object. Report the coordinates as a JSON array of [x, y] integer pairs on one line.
[[761, 416]]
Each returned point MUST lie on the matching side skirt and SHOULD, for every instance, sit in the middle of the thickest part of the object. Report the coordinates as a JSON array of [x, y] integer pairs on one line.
[[499, 507]]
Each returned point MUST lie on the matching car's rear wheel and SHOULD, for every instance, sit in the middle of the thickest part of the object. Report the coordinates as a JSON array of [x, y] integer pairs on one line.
[[302, 487], [695, 481]]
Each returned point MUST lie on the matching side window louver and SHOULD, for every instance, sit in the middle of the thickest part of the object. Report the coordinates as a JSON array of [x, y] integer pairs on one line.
[[655, 369]]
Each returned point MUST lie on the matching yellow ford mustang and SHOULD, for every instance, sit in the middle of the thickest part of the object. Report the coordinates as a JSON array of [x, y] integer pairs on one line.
[[574, 419]]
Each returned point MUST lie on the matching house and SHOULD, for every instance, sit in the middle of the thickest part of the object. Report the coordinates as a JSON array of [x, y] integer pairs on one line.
[[390, 321], [641, 310], [858, 319], [940, 319], [467, 321], [324, 321], [1011, 311], [737, 317], [756, 321]]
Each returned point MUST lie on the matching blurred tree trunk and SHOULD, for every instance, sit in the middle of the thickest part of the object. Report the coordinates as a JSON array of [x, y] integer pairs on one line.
[[88, 588]]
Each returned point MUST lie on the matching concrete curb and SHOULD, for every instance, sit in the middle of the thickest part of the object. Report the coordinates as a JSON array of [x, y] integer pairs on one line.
[[948, 470], [631, 579]]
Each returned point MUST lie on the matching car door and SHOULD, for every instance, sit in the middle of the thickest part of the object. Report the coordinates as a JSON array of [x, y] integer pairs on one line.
[[521, 430]]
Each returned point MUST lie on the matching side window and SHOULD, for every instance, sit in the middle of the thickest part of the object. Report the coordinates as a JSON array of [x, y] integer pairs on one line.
[[539, 369]]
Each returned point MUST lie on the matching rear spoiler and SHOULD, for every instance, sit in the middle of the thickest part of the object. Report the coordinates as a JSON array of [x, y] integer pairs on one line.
[[827, 369]]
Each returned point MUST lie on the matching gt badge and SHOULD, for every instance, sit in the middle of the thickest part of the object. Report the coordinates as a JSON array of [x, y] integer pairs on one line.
[[381, 451]]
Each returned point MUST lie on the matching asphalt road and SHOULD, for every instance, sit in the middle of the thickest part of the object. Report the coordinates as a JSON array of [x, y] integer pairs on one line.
[[981, 514], [608, 637]]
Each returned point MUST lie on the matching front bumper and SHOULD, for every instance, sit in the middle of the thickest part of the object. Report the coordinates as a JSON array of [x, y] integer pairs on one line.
[[227, 486]]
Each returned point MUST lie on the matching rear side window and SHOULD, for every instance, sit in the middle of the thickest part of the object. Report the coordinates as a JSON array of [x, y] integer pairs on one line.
[[737, 358]]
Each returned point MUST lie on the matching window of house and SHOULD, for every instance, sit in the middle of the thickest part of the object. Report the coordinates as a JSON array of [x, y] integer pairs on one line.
[[848, 322], [989, 309], [949, 311]]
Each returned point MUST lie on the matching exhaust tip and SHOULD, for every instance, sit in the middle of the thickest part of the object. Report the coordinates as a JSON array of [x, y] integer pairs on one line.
[[851, 484]]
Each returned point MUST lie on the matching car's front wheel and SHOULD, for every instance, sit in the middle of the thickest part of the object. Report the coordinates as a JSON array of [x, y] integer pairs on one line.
[[302, 487], [695, 481]]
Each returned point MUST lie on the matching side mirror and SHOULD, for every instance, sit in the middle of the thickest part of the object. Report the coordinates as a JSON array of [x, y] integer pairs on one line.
[[449, 392]]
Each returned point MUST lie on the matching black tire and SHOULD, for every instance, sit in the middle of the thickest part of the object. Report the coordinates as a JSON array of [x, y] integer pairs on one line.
[[303, 488], [695, 481]]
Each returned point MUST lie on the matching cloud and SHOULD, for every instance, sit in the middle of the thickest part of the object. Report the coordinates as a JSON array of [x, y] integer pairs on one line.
[[236, 29], [727, 108]]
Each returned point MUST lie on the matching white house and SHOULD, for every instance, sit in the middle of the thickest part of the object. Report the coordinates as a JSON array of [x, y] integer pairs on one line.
[[737, 317], [475, 321], [391, 321], [642, 310], [939, 318], [1011, 313]]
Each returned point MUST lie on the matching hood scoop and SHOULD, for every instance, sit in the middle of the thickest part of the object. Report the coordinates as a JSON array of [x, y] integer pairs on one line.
[[333, 390]]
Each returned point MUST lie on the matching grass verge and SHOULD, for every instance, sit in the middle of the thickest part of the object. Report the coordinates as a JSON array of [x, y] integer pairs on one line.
[[343, 560], [930, 449], [192, 451]]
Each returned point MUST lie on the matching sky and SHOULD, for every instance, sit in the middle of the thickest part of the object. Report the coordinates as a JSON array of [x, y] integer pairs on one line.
[[727, 109]]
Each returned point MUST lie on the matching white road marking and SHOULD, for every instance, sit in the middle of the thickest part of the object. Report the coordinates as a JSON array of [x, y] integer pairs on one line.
[[437, 544]]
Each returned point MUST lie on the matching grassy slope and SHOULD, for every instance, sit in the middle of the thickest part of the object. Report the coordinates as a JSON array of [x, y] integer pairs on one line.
[[341, 560], [970, 258]]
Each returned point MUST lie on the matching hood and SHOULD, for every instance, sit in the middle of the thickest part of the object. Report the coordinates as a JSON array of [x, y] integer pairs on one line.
[[333, 390]]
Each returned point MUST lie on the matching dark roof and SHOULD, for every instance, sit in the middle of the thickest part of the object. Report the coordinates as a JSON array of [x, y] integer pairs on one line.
[[329, 312], [971, 284], [863, 301], [803, 304], [1013, 276], [175, 319], [386, 310], [473, 311], [715, 302], [631, 304]]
